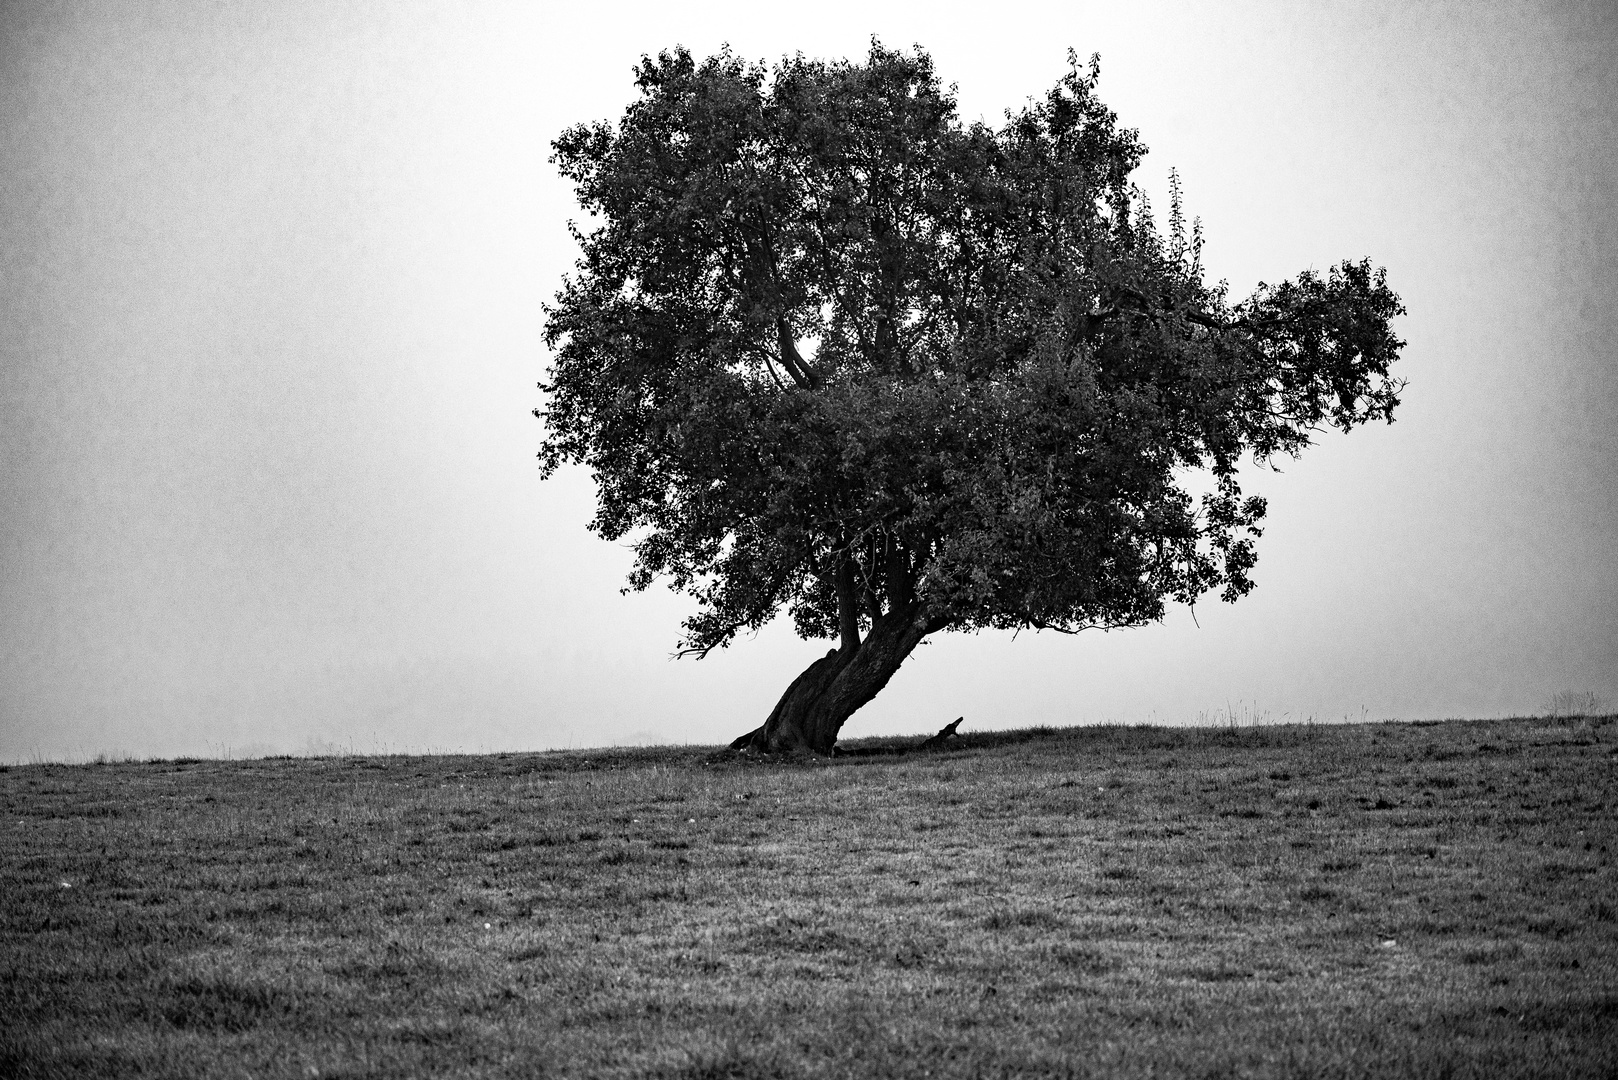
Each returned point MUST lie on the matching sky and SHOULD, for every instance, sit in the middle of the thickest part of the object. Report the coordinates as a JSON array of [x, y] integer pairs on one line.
[[271, 287]]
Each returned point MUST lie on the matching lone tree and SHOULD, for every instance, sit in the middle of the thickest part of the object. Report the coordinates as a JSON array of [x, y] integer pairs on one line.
[[829, 349]]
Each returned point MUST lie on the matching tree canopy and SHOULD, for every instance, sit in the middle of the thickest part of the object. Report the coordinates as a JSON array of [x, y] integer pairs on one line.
[[830, 350]]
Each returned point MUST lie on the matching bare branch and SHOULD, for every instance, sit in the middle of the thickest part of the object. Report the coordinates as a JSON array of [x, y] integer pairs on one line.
[[945, 734], [801, 372], [848, 616], [769, 366]]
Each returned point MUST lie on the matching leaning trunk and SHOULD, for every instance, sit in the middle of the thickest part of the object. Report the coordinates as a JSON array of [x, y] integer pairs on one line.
[[814, 708]]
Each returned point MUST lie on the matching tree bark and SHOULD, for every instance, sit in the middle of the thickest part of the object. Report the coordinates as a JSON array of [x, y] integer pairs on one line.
[[816, 705]]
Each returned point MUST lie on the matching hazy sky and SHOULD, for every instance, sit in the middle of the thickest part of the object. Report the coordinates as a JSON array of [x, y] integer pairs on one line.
[[270, 287]]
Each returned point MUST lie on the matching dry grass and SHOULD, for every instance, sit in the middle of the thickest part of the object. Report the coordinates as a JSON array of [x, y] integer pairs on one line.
[[1343, 901]]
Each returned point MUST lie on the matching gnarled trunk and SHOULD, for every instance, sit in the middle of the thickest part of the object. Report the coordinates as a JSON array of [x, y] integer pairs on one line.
[[814, 708]]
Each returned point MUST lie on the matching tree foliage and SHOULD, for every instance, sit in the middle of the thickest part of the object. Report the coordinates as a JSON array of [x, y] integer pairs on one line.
[[829, 349]]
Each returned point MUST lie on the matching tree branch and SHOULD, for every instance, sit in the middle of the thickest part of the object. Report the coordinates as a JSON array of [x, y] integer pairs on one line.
[[901, 588], [1041, 624], [945, 733], [794, 363], [848, 612], [769, 366]]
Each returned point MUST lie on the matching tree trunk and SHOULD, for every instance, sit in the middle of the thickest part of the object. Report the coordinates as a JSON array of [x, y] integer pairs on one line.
[[814, 708]]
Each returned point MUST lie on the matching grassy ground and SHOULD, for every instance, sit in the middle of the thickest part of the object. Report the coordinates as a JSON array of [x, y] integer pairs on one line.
[[1434, 900]]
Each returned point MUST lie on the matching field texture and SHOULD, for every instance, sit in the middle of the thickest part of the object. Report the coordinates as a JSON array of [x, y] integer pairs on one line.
[[1385, 900]]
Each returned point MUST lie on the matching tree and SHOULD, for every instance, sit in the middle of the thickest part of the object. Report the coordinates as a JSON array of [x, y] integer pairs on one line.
[[829, 349]]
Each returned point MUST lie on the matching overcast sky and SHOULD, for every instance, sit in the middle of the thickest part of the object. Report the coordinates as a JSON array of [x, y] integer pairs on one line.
[[270, 287]]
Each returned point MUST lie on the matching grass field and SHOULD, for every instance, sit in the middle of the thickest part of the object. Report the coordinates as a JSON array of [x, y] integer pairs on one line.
[[1367, 900]]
